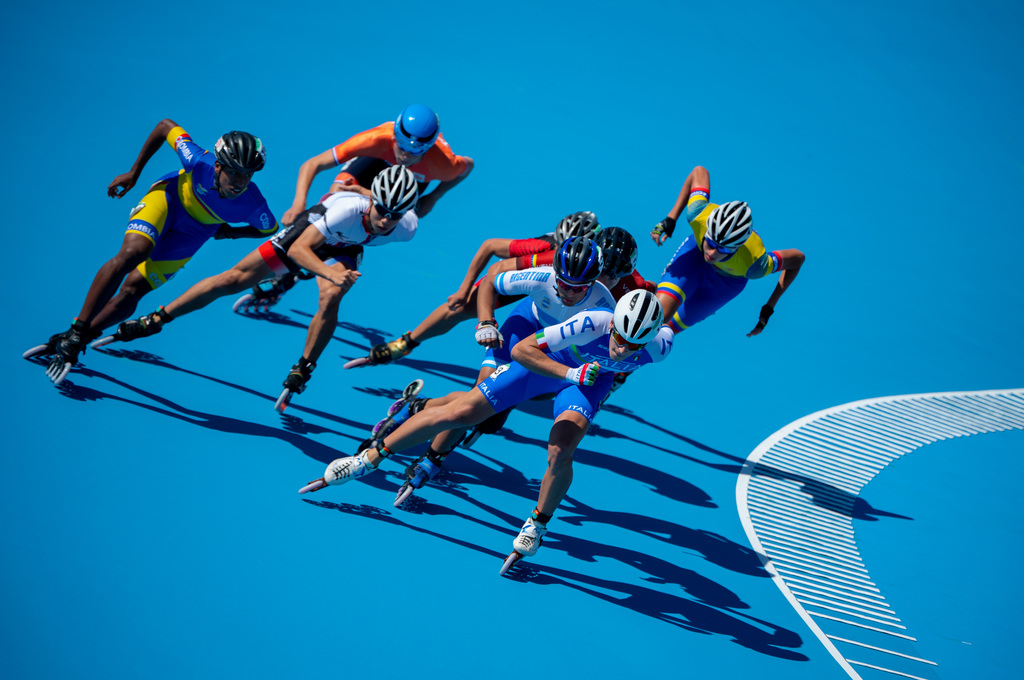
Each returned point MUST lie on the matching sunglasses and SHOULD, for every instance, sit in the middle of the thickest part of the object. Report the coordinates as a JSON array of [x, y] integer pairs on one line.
[[620, 341], [721, 249], [569, 288], [410, 143], [387, 214]]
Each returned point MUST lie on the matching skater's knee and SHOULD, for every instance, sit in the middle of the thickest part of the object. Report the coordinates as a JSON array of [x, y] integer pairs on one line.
[[465, 412], [134, 251], [330, 297], [560, 456], [135, 286]]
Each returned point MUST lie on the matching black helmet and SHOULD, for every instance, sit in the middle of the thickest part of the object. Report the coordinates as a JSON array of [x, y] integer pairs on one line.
[[618, 247], [578, 261], [240, 152]]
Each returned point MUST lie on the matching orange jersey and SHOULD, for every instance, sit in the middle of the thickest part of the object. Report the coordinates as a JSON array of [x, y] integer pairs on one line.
[[438, 163]]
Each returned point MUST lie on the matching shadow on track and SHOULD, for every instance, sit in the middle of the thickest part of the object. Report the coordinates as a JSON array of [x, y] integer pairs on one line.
[[712, 613]]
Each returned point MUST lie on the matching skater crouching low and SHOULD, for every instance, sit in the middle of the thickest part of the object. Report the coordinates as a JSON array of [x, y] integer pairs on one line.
[[607, 343]]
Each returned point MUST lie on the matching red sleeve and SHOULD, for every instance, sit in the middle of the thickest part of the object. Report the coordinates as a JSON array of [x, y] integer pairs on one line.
[[544, 259], [530, 246]]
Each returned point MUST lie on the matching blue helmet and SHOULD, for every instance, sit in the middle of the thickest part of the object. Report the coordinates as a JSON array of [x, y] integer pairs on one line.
[[416, 129], [578, 261]]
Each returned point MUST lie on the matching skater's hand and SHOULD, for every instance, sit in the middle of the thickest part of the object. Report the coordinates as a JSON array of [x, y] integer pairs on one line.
[[766, 313], [290, 215], [426, 204], [345, 279], [488, 335], [123, 182], [224, 231], [585, 375], [458, 299], [663, 230]]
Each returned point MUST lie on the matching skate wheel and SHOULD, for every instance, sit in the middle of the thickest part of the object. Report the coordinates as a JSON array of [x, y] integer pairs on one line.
[[34, 352], [358, 363], [283, 400], [315, 485], [241, 303], [105, 340], [57, 377], [412, 389], [509, 562], [403, 494], [471, 438]]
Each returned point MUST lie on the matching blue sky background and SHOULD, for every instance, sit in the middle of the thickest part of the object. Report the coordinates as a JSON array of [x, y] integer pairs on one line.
[[150, 514]]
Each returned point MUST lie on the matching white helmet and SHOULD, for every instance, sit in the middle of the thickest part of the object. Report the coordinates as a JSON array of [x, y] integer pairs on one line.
[[730, 224], [395, 189], [638, 316]]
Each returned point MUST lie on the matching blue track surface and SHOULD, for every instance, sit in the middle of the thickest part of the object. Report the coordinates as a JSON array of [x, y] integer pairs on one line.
[[150, 522]]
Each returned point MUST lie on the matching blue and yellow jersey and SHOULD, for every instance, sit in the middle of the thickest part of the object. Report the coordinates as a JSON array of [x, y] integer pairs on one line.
[[198, 194], [751, 261]]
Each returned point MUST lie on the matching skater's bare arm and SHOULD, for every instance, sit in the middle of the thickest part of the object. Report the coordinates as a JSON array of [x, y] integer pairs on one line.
[[527, 353], [491, 247], [307, 171], [153, 142], [486, 298], [301, 252]]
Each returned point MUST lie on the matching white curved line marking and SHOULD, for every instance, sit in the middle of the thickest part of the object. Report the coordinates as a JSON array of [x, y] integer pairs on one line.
[[829, 457]]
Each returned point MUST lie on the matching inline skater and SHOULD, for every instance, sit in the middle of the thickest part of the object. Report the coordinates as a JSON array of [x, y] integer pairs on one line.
[[462, 304], [414, 140], [179, 213], [329, 244], [573, 263], [714, 263], [576, 360]]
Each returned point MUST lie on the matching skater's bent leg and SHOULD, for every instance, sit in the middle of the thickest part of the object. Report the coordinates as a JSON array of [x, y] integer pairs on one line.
[[435, 402], [445, 441], [566, 434], [464, 412], [449, 439], [440, 321], [122, 305], [134, 250], [243, 275], [322, 326]]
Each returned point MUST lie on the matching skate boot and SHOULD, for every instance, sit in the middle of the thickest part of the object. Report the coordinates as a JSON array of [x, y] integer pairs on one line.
[[299, 376], [344, 470], [526, 544], [295, 383], [266, 293], [419, 472], [530, 538], [65, 348], [133, 329], [386, 352], [400, 411]]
